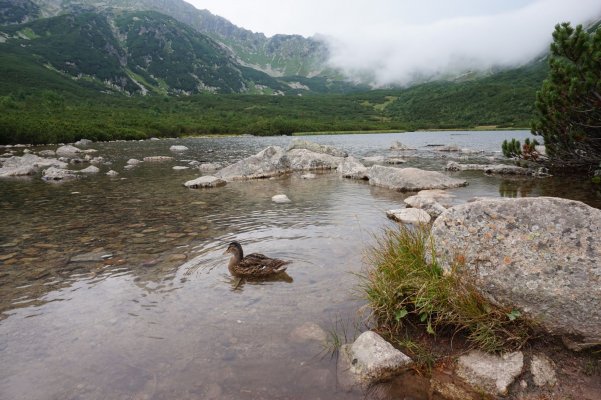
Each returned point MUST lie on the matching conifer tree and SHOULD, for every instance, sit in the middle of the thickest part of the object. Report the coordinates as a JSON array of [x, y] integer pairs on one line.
[[569, 103]]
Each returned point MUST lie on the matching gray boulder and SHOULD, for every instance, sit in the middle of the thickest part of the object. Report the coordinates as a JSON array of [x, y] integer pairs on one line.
[[490, 373], [303, 160], [28, 164], [47, 153], [205, 182], [90, 170], [316, 148], [538, 255], [83, 142], [209, 166], [68, 151], [178, 148], [280, 198], [133, 161], [543, 371], [112, 173], [58, 174], [370, 359], [410, 179], [271, 161], [352, 168]]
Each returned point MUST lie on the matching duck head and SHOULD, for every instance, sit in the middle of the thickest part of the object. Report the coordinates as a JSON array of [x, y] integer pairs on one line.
[[235, 249]]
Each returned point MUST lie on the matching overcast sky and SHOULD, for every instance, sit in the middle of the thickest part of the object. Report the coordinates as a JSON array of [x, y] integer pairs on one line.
[[399, 39]]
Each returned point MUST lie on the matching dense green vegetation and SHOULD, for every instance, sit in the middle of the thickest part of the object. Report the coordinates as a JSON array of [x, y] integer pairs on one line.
[[569, 103]]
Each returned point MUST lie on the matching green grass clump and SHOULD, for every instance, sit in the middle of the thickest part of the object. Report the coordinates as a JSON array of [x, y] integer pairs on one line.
[[403, 288]]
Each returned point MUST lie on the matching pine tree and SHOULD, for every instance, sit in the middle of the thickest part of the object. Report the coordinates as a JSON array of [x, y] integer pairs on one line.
[[569, 103]]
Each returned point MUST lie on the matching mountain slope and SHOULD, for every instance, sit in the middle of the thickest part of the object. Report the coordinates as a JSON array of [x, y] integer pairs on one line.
[[278, 56], [132, 52]]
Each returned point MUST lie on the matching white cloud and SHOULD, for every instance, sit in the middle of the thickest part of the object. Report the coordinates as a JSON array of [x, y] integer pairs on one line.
[[397, 53], [397, 40]]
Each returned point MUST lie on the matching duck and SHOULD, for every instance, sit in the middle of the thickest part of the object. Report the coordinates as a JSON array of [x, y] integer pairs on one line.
[[254, 265]]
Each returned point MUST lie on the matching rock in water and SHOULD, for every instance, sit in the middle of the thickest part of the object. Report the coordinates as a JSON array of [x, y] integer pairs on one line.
[[302, 160], [370, 359], [178, 149], [68, 151], [205, 182], [413, 216], [352, 168], [316, 148], [538, 255], [271, 161], [58, 174], [90, 170], [280, 198], [410, 179]]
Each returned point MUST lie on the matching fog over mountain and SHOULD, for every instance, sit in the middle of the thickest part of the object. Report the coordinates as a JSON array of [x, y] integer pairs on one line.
[[396, 42]]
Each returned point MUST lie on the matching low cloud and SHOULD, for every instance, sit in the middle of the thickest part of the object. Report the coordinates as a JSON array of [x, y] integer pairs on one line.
[[400, 53]]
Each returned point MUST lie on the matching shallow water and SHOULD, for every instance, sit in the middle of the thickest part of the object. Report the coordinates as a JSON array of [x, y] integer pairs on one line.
[[150, 311]]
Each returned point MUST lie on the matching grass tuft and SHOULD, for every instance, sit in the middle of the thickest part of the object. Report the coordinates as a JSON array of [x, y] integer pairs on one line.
[[403, 288]]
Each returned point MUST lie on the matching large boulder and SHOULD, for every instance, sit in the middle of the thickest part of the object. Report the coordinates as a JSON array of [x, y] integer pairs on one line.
[[316, 148], [302, 160], [28, 164], [271, 161], [538, 255], [370, 359], [410, 179], [352, 168]]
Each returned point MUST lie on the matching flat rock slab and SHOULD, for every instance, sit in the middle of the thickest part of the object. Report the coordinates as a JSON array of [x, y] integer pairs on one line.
[[205, 182], [370, 359], [538, 255], [501, 169], [413, 216], [303, 159], [492, 374], [410, 179]]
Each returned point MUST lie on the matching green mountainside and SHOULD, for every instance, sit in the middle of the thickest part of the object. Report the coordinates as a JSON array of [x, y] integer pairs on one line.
[[280, 55]]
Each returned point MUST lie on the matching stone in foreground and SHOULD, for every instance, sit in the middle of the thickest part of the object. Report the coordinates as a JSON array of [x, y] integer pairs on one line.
[[537, 255], [58, 174], [413, 216], [410, 179], [490, 373], [370, 359], [205, 182], [542, 371]]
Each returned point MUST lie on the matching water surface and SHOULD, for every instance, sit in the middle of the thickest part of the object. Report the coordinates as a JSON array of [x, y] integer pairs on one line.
[[118, 287]]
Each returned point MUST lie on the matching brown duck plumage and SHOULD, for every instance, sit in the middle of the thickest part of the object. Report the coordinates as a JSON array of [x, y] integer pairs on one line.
[[253, 265]]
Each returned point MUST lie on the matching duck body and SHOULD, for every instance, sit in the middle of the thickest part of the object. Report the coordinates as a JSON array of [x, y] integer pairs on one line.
[[253, 265]]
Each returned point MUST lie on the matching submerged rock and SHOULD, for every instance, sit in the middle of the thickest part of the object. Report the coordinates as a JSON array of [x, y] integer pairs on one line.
[[316, 148], [157, 158], [178, 149], [370, 359], [205, 182], [308, 176], [399, 146], [413, 216], [308, 331], [501, 169], [180, 168], [410, 179], [537, 255], [489, 373], [205, 167], [395, 161], [271, 161]]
